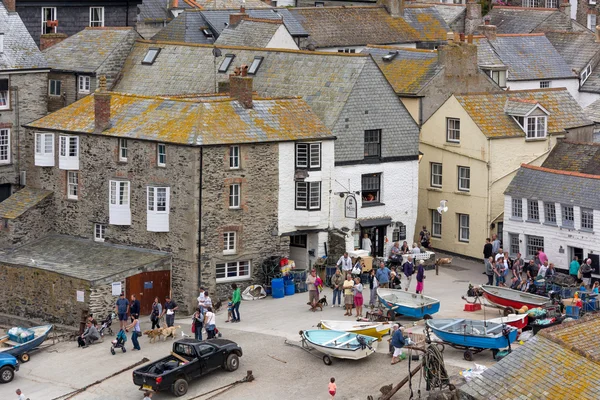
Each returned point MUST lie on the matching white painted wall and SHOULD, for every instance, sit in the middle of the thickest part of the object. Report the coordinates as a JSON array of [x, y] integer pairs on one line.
[[574, 4], [554, 236], [585, 98], [572, 86], [399, 193], [282, 40], [358, 49]]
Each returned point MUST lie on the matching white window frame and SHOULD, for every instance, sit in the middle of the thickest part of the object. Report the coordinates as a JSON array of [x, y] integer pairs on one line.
[[150, 56], [536, 134], [436, 174], [568, 216], [229, 242], [308, 156], [587, 219], [464, 228], [5, 95], [545, 84], [119, 198], [44, 20], [308, 196], [227, 61], [68, 152], [72, 185], [123, 150], [5, 147], [44, 149], [530, 209], [55, 82], [436, 224], [464, 179], [100, 22], [592, 25], [550, 213], [234, 157], [517, 208], [452, 132], [533, 243], [157, 212], [223, 268], [161, 154], [585, 74], [512, 245], [84, 84], [235, 196], [99, 232], [551, 4]]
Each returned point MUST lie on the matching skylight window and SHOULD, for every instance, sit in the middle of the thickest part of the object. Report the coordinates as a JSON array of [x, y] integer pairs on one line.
[[226, 62], [150, 56], [390, 56], [255, 65], [207, 33]]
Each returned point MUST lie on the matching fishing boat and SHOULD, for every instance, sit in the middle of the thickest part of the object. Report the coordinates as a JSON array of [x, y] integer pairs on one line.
[[374, 329], [519, 321], [506, 297], [472, 335], [22, 350], [338, 344], [407, 304]]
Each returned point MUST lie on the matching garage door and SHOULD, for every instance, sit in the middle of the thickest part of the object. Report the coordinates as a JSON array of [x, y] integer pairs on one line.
[[148, 285]]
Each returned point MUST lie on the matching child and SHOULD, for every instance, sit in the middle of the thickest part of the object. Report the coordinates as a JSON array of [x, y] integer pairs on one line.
[[420, 277], [229, 308], [147, 395], [332, 387]]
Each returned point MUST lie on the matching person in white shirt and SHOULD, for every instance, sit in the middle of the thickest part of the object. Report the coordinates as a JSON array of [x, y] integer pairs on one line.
[[210, 320], [20, 394], [345, 262], [201, 297], [415, 249], [543, 269], [366, 243]]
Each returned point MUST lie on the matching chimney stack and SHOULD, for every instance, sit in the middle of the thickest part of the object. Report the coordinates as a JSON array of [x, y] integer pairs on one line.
[[489, 31], [9, 5], [459, 59], [394, 7], [173, 4], [240, 86], [473, 17], [101, 106], [235, 18], [566, 9], [50, 39]]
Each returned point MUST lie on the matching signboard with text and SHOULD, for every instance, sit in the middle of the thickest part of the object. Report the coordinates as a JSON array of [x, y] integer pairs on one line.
[[350, 207]]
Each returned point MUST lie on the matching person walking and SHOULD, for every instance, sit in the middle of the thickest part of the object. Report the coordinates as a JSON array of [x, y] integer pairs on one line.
[[383, 275], [156, 313], [574, 268], [210, 322], [408, 269], [135, 333], [345, 263], [337, 280], [122, 308], [348, 297], [398, 343], [358, 296], [489, 270], [586, 272], [169, 310], [487, 253], [311, 282], [373, 284], [134, 308], [198, 323], [236, 299], [420, 277]]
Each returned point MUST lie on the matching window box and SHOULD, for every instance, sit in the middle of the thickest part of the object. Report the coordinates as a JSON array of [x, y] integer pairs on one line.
[[44, 149], [119, 210], [68, 155], [233, 271], [4, 146], [157, 216]]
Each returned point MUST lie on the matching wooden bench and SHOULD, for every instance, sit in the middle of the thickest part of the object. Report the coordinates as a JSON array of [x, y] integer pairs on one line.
[[451, 324], [333, 340], [344, 343]]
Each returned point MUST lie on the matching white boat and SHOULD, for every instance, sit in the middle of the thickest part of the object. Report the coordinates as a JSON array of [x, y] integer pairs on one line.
[[519, 321], [340, 344], [374, 329]]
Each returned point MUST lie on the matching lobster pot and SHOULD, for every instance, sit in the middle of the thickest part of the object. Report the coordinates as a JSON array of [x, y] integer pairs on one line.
[[277, 288]]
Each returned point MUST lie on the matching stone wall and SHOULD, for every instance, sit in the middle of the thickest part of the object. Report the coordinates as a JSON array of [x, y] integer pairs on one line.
[[36, 293], [32, 225], [102, 302], [255, 221], [68, 89]]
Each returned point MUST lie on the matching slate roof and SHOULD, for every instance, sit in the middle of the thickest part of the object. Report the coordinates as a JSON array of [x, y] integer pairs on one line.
[[578, 49], [592, 83], [531, 182], [547, 366], [221, 4], [89, 49], [529, 20], [21, 201], [217, 19], [487, 111], [362, 25], [593, 111], [324, 80], [156, 10], [20, 51], [516, 106], [450, 12], [193, 122], [81, 258], [249, 33], [409, 71], [574, 157], [187, 27], [486, 55]]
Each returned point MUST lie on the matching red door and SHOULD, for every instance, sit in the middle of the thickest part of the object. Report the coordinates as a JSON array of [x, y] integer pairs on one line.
[[148, 285]]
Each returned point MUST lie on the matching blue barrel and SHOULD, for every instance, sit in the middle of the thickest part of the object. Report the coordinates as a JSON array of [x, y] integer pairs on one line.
[[277, 288], [290, 287]]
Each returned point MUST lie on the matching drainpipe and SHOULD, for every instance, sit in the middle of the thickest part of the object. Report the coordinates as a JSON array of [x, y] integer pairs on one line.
[[15, 90], [127, 13], [489, 200], [200, 221]]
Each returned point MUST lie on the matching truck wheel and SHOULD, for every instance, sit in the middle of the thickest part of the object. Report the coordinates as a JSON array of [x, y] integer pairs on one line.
[[6, 374], [233, 362], [180, 387]]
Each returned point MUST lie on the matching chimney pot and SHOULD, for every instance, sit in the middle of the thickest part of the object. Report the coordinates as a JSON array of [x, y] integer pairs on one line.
[[240, 87], [10, 5], [101, 106]]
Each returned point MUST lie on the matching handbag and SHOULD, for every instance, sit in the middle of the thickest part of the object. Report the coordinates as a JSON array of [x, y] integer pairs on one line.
[[193, 327], [139, 334], [356, 270], [579, 274]]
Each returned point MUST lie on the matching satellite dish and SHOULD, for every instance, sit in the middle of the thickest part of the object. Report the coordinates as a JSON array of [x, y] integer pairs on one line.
[[443, 206]]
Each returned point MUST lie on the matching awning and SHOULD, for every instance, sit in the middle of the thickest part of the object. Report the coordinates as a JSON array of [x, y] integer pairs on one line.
[[366, 223]]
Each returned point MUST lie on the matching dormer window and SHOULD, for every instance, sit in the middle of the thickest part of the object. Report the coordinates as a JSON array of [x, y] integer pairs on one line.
[[587, 71], [530, 115], [150, 56], [534, 127], [497, 75], [255, 65], [226, 62]]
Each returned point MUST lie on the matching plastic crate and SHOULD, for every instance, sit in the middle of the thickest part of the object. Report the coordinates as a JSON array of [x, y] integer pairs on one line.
[[24, 337]]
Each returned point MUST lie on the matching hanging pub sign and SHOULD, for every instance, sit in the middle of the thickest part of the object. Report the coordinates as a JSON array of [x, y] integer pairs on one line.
[[350, 207]]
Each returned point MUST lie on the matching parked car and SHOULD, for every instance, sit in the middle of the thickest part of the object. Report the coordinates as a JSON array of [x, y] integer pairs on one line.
[[189, 360], [8, 366]]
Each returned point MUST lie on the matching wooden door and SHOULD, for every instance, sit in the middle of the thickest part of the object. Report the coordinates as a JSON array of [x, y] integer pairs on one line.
[[148, 285]]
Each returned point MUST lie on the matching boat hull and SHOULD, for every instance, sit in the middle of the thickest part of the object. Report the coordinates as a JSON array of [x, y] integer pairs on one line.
[[517, 321], [512, 298], [368, 329], [351, 352], [458, 338], [26, 347], [415, 306]]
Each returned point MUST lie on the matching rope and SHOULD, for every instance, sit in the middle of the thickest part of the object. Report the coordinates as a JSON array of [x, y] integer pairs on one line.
[[435, 372]]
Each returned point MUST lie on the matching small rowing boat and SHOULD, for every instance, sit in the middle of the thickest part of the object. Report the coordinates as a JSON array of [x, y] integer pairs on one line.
[[10, 346], [472, 333], [374, 329], [408, 304], [341, 344], [506, 297]]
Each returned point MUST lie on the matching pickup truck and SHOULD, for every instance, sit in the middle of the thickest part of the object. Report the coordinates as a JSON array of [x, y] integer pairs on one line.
[[190, 359], [8, 366]]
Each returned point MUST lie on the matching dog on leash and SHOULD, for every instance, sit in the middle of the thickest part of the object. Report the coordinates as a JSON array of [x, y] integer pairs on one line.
[[444, 260], [323, 301], [153, 334], [169, 331]]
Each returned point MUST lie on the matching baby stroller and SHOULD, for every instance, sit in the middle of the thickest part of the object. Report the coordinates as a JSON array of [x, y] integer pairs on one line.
[[106, 323], [119, 342]]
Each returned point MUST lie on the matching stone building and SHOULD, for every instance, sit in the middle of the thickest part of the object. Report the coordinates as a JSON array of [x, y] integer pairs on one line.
[[196, 177], [23, 94], [78, 60]]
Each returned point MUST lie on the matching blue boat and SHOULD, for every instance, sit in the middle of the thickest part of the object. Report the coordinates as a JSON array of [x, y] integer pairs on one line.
[[473, 335], [22, 350], [408, 304]]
